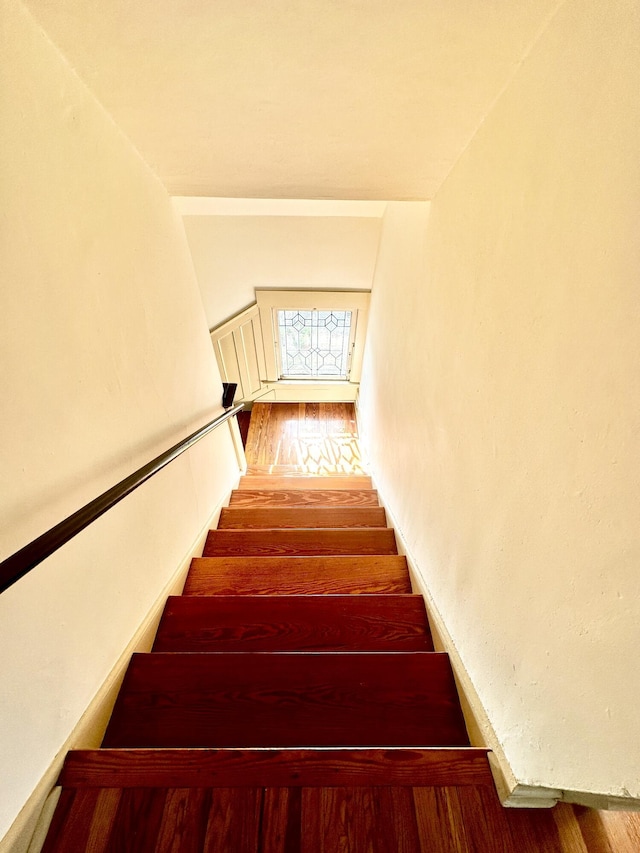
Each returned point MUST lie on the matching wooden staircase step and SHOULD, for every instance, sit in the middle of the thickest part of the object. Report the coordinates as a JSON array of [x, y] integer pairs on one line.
[[274, 543], [298, 481], [204, 768], [288, 819], [258, 518], [304, 497], [298, 575], [284, 699], [162, 820], [294, 623]]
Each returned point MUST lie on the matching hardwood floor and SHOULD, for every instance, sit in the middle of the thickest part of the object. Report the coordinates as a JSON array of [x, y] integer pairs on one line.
[[363, 819], [303, 438]]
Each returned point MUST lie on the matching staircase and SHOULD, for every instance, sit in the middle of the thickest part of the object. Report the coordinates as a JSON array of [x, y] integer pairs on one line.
[[292, 700]]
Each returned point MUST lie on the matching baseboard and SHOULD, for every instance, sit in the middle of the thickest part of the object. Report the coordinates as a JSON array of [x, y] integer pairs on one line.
[[292, 391], [28, 831]]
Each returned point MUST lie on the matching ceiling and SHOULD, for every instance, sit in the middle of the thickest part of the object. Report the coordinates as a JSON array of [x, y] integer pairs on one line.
[[327, 99]]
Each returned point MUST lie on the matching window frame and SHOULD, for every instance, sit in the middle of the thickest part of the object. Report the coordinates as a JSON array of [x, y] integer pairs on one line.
[[271, 301]]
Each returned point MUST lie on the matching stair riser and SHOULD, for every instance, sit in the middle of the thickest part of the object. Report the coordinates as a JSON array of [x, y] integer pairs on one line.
[[177, 768], [265, 543], [251, 518], [293, 623], [306, 575], [287, 700]]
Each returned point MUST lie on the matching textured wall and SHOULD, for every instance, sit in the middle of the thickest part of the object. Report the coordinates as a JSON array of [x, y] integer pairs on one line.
[[106, 361], [233, 255], [500, 402]]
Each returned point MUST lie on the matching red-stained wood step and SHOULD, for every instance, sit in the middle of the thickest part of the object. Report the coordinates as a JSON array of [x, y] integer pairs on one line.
[[74, 828], [306, 575], [296, 481], [388, 819], [294, 623], [252, 518], [182, 768], [274, 543], [303, 497], [286, 699], [157, 820]]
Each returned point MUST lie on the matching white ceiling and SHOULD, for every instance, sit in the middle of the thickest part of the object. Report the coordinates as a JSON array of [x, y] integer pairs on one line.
[[328, 99]]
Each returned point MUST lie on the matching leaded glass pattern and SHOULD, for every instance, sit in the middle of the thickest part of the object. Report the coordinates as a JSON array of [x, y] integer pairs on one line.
[[314, 344]]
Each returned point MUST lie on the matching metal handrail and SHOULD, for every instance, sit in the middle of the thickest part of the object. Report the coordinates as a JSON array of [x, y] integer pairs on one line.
[[27, 558]]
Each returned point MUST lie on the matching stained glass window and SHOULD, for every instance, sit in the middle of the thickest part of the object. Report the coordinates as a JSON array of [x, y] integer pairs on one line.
[[314, 344]]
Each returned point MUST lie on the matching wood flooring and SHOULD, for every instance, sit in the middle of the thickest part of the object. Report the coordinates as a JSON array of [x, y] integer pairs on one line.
[[303, 438], [334, 819]]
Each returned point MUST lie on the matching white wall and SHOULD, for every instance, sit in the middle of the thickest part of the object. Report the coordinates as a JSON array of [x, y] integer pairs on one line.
[[233, 255], [500, 402], [106, 361]]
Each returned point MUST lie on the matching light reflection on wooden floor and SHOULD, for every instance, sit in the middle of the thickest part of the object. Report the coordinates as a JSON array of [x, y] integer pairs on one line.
[[303, 438]]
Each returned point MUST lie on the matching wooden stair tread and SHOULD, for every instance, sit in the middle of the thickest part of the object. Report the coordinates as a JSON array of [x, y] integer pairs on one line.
[[305, 575], [294, 623], [304, 497], [251, 518], [449, 819], [282, 699], [185, 768], [300, 481], [159, 820], [269, 542]]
